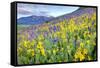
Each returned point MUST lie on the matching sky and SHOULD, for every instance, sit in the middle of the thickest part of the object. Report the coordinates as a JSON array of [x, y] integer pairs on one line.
[[24, 10]]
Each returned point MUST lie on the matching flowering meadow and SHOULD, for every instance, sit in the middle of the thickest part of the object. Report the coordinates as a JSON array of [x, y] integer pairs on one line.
[[70, 40]]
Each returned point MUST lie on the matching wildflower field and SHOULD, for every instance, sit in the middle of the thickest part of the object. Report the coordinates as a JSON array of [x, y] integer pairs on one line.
[[70, 40]]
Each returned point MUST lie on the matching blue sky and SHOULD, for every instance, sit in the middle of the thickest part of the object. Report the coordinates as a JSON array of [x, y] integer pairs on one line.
[[24, 10]]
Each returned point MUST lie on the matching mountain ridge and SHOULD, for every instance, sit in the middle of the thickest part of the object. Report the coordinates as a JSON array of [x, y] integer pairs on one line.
[[43, 19], [33, 19]]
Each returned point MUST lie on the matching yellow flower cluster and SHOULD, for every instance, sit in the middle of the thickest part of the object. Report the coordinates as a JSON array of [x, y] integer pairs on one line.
[[81, 53], [28, 44], [40, 46], [30, 52], [72, 39]]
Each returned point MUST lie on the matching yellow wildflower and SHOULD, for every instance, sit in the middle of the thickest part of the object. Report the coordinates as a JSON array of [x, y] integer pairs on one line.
[[63, 36], [82, 44], [28, 44], [30, 52], [58, 33], [40, 37], [54, 51], [55, 35], [79, 55], [85, 51], [76, 56], [88, 41], [33, 52], [43, 51], [25, 43], [39, 45], [82, 57], [62, 27]]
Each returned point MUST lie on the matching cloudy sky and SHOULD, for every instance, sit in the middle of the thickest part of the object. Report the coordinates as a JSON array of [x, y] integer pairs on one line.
[[24, 10]]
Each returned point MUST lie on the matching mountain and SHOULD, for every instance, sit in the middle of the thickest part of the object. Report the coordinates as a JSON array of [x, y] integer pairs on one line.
[[42, 19], [76, 13], [33, 20]]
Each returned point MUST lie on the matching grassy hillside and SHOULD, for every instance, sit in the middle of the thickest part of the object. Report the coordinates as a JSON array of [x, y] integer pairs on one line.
[[60, 40]]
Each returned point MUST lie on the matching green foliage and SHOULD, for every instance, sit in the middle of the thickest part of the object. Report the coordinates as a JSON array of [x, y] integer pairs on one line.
[[64, 41]]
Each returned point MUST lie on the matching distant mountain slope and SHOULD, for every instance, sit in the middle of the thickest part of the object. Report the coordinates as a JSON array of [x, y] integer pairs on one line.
[[33, 20], [76, 13], [43, 19]]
